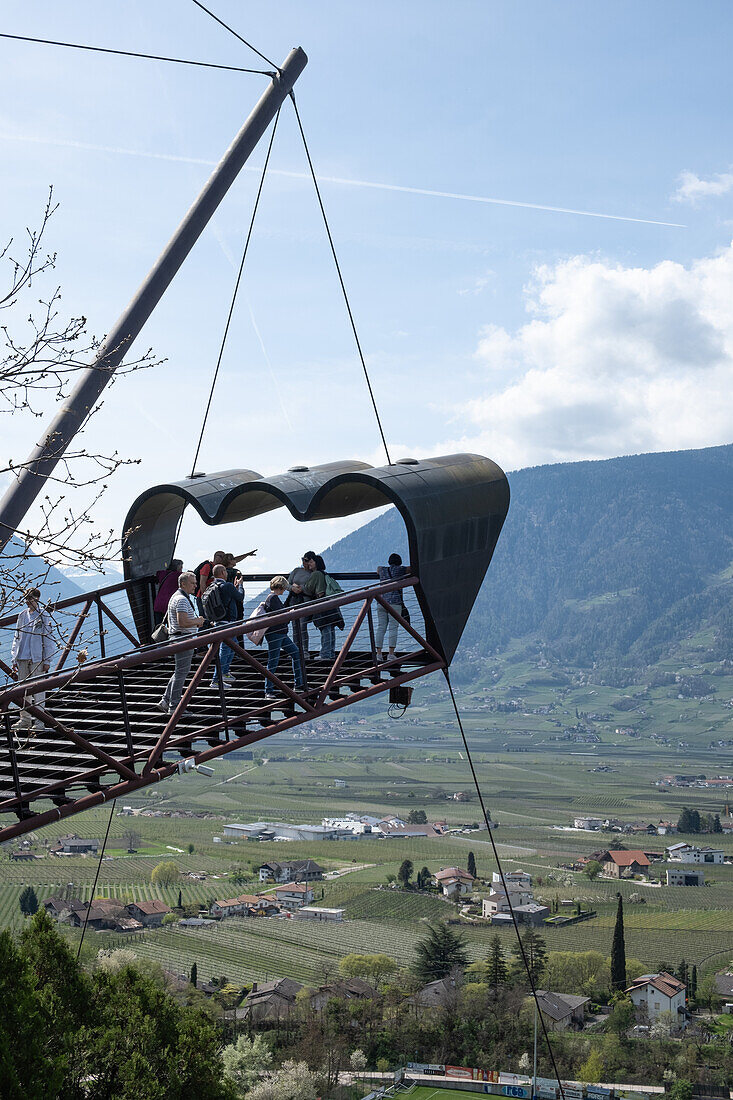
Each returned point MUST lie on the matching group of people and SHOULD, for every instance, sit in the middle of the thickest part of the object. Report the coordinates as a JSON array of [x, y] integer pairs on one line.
[[213, 594]]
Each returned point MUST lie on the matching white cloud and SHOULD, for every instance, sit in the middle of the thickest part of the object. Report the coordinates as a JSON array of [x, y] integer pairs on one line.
[[690, 187], [614, 360]]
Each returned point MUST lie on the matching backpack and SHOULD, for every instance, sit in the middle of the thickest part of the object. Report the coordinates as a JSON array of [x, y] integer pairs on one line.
[[215, 610], [333, 588], [202, 572]]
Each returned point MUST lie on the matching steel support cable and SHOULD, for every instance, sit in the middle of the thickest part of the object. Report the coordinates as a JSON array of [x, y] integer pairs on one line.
[[96, 877], [232, 31], [131, 53], [504, 883], [230, 314], [341, 278]]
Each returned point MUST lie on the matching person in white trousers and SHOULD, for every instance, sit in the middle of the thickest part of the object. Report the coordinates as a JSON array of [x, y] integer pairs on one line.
[[33, 648]]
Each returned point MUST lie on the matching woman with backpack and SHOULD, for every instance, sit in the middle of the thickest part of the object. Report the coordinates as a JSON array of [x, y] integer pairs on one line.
[[319, 585]]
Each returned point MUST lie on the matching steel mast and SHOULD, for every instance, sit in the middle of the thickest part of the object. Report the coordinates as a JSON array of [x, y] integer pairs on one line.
[[73, 413]]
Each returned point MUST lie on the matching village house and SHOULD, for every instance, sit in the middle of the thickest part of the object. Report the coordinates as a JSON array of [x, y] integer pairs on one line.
[[229, 907], [438, 994], [562, 1010], [56, 906], [514, 878], [74, 846], [641, 829], [684, 877], [454, 881], [653, 994], [666, 828], [294, 870], [690, 853], [21, 855], [587, 823], [724, 986], [103, 914], [270, 1000], [294, 896], [497, 902], [149, 913], [619, 864], [343, 989]]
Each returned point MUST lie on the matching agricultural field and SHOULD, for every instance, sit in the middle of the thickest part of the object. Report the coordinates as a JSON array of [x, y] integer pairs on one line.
[[395, 767]]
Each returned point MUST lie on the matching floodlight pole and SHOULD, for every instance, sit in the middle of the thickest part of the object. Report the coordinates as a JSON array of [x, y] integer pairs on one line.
[[81, 402]]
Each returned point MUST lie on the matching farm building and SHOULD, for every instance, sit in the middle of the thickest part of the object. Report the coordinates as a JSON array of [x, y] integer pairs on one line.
[[620, 864]]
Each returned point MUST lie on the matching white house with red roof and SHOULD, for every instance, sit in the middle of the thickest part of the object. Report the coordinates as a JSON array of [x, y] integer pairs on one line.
[[454, 881], [294, 895], [653, 994]]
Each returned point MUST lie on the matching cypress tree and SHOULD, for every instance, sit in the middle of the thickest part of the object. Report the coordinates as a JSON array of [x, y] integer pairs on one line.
[[472, 865], [194, 974], [692, 989], [618, 950]]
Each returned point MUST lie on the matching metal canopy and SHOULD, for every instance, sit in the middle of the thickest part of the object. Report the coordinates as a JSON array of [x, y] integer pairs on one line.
[[453, 507]]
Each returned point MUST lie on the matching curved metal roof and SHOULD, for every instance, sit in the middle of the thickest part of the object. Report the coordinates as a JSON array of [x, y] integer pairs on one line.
[[453, 507]]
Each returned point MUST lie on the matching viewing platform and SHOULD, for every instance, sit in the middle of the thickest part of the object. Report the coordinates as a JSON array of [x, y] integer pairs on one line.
[[103, 736]]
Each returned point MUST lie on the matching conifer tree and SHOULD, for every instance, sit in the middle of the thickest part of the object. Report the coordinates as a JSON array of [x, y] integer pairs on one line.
[[471, 868], [194, 977], [496, 967], [440, 951], [618, 950], [28, 901]]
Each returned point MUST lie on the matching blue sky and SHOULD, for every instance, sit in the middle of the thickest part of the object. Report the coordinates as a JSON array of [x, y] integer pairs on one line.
[[526, 334]]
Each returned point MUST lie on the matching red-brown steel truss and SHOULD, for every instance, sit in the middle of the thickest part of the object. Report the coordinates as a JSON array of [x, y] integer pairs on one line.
[[103, 738]]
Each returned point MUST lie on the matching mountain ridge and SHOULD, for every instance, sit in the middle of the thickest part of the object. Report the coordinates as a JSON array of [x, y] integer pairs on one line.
[[603, 561]]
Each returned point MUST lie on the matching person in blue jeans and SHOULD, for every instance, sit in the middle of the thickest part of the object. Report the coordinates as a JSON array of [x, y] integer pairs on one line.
[[278, 639], [231, 599]]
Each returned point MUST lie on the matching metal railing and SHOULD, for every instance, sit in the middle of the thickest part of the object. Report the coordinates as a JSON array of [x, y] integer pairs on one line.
[[119, 747]]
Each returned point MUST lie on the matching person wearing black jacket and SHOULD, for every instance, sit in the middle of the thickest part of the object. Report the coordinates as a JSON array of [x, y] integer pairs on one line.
[[231, 598]]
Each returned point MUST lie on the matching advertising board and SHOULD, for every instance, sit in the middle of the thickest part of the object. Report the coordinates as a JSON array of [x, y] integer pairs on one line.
[[460, 1071]]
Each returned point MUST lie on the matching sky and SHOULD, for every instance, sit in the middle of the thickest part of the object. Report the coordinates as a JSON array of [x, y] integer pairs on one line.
[[532, 205]]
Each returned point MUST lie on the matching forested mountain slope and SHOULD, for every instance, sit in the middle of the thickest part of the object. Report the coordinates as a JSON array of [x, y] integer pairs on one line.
[[608, 562]]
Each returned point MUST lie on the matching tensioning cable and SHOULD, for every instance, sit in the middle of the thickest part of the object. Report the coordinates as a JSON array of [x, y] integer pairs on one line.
[[96, 878], [132, 53], [235, 33], [341, 279], [504, 884], [230, 314]]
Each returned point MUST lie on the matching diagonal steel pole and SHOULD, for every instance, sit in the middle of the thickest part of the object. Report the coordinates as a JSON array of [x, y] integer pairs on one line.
[[74, 412]]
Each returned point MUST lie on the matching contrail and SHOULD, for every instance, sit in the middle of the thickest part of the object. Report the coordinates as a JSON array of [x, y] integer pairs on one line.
[[342, 181]]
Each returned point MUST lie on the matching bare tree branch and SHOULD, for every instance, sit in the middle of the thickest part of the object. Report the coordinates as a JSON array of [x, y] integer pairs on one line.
[[42, 352]]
